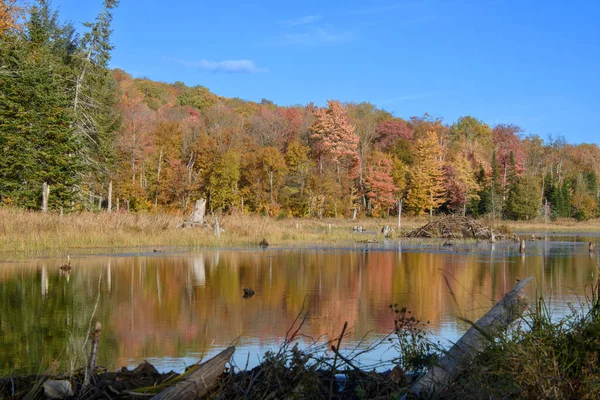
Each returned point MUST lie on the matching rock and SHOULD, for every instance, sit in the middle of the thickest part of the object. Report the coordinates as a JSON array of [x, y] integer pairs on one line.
[[58, 389]]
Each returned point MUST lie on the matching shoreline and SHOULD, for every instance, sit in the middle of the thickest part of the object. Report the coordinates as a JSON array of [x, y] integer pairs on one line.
[[26, 234]]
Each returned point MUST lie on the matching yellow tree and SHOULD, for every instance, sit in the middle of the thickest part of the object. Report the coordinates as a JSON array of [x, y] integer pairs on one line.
[[461, 184], [426, 177], [11, 14]]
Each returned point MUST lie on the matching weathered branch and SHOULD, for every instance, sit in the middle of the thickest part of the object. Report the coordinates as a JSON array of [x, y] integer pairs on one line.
[[471, 343], [201, 382]]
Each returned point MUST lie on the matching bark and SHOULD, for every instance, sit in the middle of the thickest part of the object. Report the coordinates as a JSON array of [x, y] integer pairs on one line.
[[45, 195], [110, 196], [197, 217], [200, 382], [93, 355]]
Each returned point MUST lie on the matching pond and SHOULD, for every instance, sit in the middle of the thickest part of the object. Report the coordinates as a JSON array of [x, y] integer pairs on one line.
[[172, 307]]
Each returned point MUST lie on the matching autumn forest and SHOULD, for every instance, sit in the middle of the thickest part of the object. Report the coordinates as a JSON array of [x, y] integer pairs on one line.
[[68, 120]]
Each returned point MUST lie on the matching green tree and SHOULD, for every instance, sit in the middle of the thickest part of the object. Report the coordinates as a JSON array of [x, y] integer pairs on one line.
[[523, 198], [36, 134]]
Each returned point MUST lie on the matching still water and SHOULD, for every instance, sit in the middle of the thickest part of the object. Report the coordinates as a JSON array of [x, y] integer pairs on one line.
[[171, 307]]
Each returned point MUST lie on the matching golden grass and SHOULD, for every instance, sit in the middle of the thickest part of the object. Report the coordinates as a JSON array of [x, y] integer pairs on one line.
[[560, 225], [28, 233]]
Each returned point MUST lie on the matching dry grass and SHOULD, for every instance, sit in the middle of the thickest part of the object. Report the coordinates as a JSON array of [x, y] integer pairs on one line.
[[560, 225], [27, 233]]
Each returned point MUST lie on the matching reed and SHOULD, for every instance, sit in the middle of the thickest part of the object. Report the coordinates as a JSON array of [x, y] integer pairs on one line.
[[29, 233]]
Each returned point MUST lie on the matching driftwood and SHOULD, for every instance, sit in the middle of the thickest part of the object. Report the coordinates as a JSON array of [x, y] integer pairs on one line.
[[202, 381], [197, 217], [473, 341]]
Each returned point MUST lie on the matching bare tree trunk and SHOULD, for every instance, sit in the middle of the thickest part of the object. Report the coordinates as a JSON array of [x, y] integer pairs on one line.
[[271, 185], [45, 195], [158, 178], [110, 196], [399, 214], [197, 217]]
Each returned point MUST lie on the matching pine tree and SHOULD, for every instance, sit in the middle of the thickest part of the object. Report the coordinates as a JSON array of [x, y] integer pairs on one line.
[[523, 198], [36, 133], [95, 120]]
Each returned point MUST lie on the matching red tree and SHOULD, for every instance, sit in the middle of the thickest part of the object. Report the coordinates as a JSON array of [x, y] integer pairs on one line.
[[392, 129], [379, 182]]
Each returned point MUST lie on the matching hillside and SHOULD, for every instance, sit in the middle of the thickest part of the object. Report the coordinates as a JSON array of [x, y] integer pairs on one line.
[[71, 122]]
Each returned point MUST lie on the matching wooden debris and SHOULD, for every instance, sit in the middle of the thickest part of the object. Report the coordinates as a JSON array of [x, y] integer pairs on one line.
[[387, 231], [202, 381], [93, 355], [369, 241], [455, 227], [522, 247], [66, 266], [471, 343]]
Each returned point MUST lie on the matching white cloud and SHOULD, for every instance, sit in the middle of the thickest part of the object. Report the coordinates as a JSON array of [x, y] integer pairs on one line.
[[306, 20], [231, 66], [315, 36]]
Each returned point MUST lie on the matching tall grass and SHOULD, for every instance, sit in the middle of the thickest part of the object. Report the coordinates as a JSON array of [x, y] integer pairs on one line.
[[541, 358], [33, 233]]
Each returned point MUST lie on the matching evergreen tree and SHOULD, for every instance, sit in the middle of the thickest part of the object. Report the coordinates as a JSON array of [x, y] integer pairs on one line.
[[95, 120], [36, 134], [477, 205], [491, 197], [523, 199]]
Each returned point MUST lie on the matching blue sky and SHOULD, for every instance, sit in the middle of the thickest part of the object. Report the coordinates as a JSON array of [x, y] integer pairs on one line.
[[531, 63]]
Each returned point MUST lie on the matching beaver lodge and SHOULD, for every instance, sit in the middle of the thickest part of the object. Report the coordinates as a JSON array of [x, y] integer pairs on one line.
[[456, 227]]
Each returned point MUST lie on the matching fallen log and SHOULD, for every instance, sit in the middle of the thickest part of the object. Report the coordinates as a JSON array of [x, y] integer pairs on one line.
[[471, 343], [201, 381]]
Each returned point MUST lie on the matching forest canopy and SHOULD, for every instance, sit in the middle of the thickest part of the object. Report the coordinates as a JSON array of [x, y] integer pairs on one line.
[[68, 120]]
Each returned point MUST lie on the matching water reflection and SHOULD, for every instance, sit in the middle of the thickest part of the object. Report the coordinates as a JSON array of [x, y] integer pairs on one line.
[[166, 307]]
